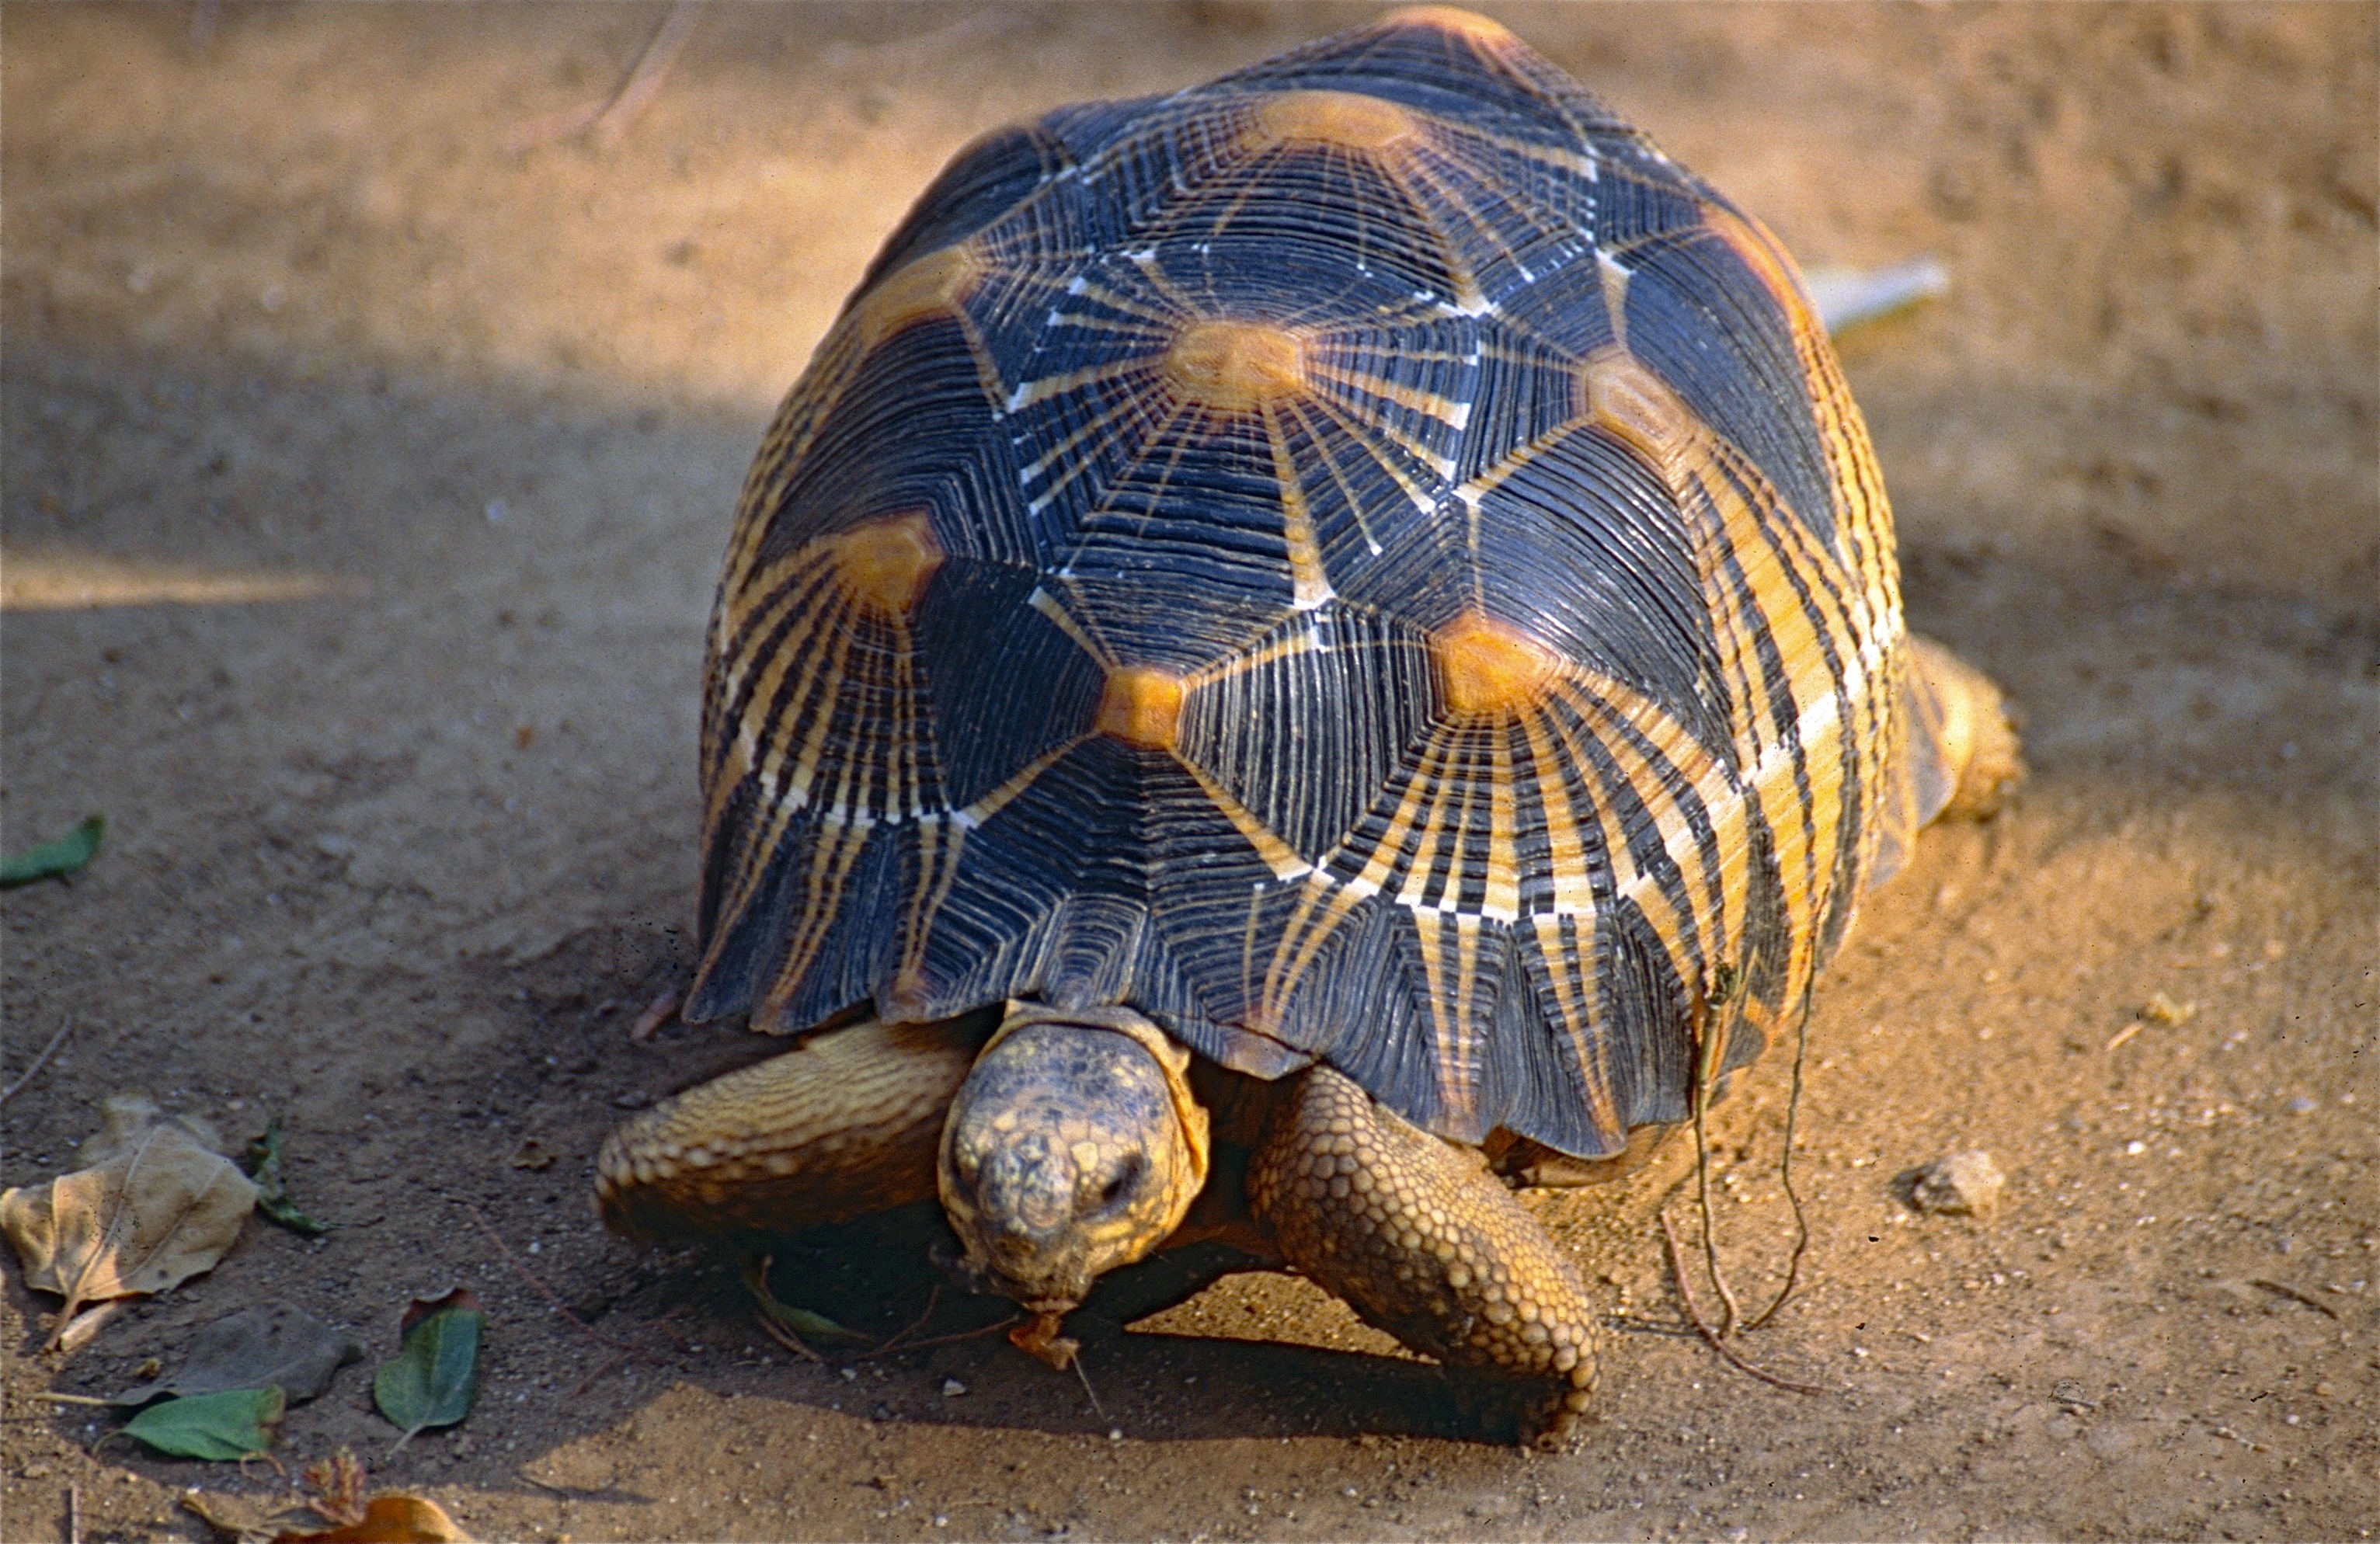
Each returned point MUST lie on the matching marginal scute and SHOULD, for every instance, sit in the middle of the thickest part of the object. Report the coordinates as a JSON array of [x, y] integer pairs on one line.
[[1470, 26], [885, 564], [1622, 397], [1142, 706], [1490, 667], [932, 285], [1343, 120], [1761, 252], [1235, 367]]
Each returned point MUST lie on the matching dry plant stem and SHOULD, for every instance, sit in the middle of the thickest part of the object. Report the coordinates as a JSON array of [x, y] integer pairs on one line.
[[786, 1337], [953, 1338], [542, 1290], [1096, 1408], [1695, 1316], [657, 1012], [652, 68], [933, 1298], [1705, 1072], [39, 1061], [72, 1334], [2294, 1295], [74, 1514], [607, 119], [1785, 1171], [591, 1379]]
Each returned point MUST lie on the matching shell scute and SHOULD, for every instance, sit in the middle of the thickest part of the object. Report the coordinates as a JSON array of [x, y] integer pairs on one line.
[[985, 180], [1464, 71], [1707, 325]]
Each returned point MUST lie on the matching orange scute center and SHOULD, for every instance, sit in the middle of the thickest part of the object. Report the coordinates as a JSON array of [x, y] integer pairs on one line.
[[1348, 120], [1489, 666], [932, 285], [1626, 399], [1235, 367], [1142, 706], [885, 564]]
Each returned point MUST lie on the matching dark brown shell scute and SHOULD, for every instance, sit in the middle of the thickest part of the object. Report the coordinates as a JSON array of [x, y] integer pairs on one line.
[[1363, 560]]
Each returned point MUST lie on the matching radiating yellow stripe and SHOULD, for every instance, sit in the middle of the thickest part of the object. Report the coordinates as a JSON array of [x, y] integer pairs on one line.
[[1277, 854], [1309, 586]]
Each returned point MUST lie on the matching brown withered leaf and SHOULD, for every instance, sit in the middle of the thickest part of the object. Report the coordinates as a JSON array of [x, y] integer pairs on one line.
[[154, 1206], [268, 1344], [394, 1518]]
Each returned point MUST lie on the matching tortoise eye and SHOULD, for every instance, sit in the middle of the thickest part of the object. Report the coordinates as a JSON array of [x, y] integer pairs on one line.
[[1127, 1179]]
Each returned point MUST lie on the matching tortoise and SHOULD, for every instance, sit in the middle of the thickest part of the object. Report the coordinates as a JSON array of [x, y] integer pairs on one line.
[[1306, 652]]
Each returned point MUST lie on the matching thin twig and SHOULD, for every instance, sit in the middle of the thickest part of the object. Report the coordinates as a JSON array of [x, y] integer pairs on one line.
[[73, 1514], [1705, 1074], [590, 1380], [1785, 1169], [608, 119], [2294, 1295], [39, 1061], [1096, 1407], [659, 1010], [933, 1298], [542, 1290], [1695, 1314], [976, 1334], [786, 1337], [652, 68]]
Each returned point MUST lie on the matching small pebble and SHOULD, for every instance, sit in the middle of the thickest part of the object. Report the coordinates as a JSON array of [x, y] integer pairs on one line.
[[952, 1388], [1962, 1185], [2300, 1106]]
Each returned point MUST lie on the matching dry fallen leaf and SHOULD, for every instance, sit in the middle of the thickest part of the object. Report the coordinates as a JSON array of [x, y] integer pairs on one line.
[[396, 1518], [154, 1206], [270, 1344]]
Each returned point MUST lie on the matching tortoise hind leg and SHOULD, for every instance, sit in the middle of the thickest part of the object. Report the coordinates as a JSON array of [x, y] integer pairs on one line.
[[1424, 1243], [1959, 720]]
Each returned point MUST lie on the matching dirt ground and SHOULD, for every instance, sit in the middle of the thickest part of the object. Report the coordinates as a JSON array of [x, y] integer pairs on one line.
[[365, 478]]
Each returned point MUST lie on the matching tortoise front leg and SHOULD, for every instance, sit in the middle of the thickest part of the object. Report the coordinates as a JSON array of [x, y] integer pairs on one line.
[[844, 1124], [1425, 1244]]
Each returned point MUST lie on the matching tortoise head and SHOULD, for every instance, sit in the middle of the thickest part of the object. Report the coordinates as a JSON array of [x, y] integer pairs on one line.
[[1073, 1148]]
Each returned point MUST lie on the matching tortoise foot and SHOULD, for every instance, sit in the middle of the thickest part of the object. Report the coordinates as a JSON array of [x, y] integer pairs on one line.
[[1424, 1243], [1975, 734]]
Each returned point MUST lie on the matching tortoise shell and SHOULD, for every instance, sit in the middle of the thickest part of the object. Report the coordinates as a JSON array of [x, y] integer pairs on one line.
[[1364, 560]]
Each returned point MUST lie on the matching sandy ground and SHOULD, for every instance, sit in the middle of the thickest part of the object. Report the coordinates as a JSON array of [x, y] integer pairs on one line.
[[364, 483]]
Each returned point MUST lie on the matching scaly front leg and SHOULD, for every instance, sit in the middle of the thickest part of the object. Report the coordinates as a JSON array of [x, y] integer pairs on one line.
[[1425, 1244]]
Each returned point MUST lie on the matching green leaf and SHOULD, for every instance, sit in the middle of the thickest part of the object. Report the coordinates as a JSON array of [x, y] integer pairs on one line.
[[804, 1323], [233, 1425], [264, 1168], [433, 1378], [53, 859]]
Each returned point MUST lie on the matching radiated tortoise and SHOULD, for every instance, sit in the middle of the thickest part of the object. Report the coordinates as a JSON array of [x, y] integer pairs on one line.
[[1306, 651]]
